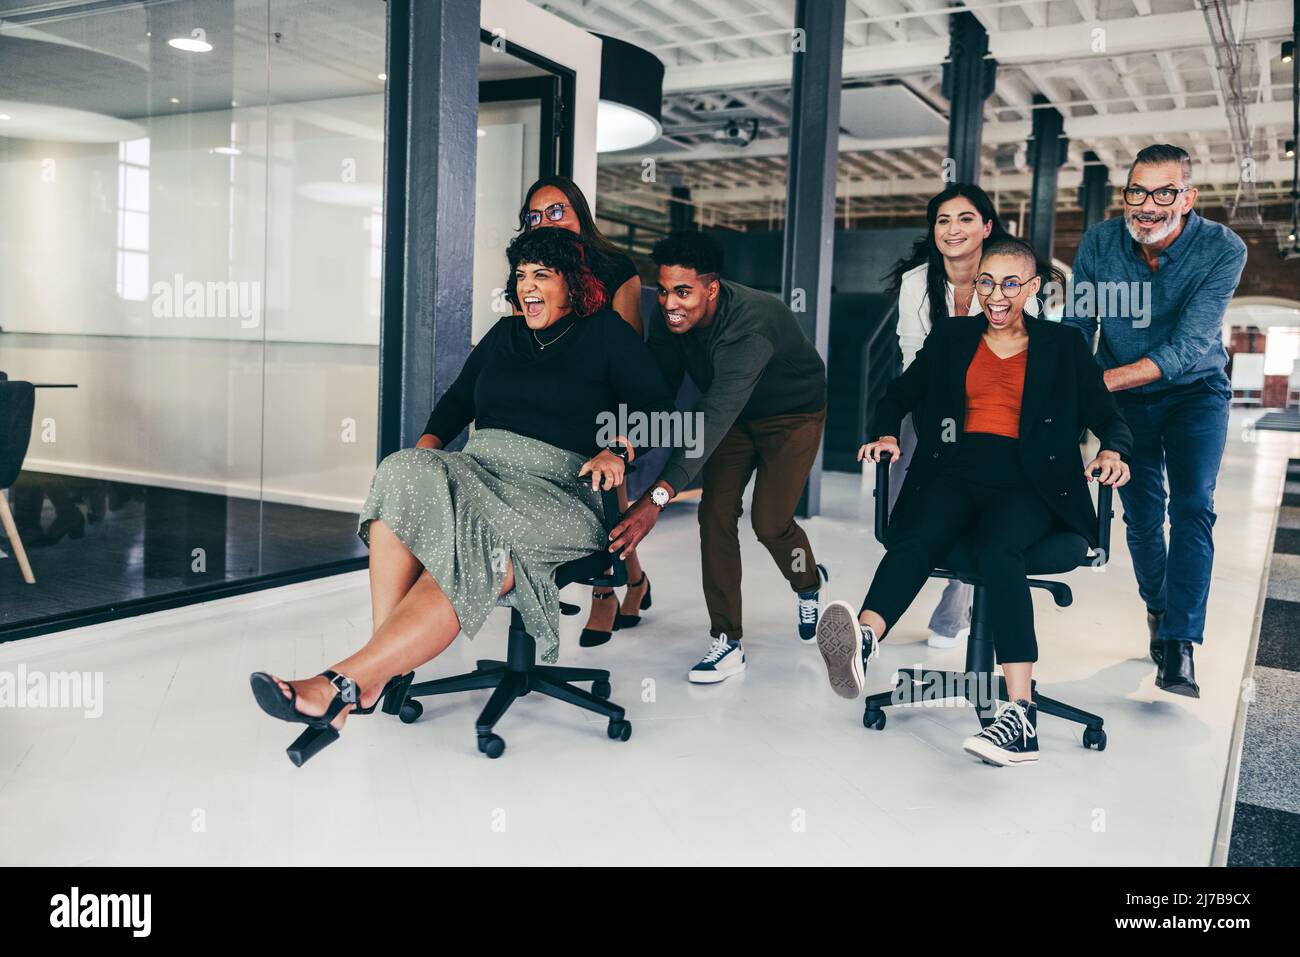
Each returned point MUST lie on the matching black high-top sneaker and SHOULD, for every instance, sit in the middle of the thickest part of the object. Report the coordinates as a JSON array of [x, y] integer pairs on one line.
[[810, 608], [847, 647], [1012, 738]]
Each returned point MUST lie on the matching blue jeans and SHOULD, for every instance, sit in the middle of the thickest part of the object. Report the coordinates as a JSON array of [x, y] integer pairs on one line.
[[1179, 433]]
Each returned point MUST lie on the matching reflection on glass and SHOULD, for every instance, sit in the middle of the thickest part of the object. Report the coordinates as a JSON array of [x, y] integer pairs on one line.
[[191, 228]]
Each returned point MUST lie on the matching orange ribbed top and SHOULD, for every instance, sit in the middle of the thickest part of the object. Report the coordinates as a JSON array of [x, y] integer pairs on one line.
[[993, 390]]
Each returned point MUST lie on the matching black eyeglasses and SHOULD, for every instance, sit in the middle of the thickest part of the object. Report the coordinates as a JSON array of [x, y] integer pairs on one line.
[[1010, 287], [1164, 196], [554, 212]]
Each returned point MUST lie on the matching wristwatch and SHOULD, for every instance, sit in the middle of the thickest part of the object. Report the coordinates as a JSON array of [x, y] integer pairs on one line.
[[659, 495], [619, 449]]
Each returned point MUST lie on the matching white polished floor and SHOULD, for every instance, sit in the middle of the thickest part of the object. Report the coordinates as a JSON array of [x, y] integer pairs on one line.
[[767, 768]]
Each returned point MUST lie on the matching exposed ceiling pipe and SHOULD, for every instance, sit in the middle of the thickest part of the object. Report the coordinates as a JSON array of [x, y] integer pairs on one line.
[[1245, 206]]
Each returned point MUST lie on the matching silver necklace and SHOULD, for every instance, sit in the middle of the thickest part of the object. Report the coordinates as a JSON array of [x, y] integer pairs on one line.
[[542, 345]]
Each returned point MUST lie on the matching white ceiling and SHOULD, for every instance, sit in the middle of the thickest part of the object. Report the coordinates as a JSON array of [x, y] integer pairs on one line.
[[1123, 73]]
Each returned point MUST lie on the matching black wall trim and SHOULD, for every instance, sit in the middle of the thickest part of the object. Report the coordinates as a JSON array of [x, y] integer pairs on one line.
[[428, 282], [568, 86], [393, 269], [544, 89], [190, 596]]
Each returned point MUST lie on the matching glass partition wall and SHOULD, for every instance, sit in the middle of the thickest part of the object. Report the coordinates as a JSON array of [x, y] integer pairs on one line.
[[190, 222]]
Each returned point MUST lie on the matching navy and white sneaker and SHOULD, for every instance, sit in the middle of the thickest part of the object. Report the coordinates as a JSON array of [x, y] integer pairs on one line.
[[1012, 738], [809, 608], [847, 646], [724, 659]]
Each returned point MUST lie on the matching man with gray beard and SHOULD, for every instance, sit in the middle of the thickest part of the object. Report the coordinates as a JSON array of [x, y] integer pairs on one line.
[[1165, 365]]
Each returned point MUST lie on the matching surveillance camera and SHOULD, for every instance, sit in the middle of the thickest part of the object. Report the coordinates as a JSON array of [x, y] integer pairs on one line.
[[737, 133]]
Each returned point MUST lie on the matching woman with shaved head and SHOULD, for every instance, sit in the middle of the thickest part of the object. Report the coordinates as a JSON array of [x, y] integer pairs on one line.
[[998, 401]]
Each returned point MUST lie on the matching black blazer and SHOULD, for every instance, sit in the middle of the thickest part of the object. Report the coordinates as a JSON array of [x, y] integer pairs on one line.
[[1064, 391]]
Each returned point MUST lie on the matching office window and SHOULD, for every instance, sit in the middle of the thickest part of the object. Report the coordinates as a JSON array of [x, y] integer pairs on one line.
[[191, 238]]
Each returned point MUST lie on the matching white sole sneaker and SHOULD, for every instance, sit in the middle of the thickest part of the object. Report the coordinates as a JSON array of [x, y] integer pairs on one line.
[[937, 640], [713, 677], [839, 639], [987, 751]]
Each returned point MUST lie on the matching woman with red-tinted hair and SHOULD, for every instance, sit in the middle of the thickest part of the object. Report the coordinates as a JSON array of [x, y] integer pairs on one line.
[[451, 533]]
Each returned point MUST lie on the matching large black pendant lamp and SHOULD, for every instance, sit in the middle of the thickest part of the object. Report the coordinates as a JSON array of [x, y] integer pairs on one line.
[[631, 93]]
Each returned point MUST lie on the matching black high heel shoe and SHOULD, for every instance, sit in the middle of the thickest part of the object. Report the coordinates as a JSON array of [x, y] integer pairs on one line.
[[590, 637], [631, 621], [391, 697], [319, 734]]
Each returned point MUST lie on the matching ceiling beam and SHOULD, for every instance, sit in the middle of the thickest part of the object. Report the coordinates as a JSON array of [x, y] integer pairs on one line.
[[1208, 119], [1222, 173], [1124, 35]]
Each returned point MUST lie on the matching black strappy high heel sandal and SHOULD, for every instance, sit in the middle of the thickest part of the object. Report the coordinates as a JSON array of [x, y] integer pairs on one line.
[[631, 621], [391, 697], [319, 734], [590, 637]]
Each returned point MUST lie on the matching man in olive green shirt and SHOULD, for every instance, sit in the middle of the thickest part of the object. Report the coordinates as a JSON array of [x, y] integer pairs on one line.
[[763, 409]]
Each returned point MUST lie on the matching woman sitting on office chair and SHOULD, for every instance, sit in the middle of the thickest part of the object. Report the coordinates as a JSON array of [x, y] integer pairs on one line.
[[452, 532], [998, 401]]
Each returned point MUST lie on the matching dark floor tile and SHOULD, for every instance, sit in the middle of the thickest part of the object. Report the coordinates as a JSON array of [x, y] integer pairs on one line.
[[1263, 837], [1287, 541], [1279, 635]]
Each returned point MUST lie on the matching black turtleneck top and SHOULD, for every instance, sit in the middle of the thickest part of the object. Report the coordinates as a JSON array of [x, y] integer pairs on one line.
[[554, 384]]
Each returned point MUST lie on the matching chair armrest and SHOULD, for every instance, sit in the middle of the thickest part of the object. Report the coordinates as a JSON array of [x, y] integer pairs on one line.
[[881, 494], [618, 576], [609, 502], [1105, 512]]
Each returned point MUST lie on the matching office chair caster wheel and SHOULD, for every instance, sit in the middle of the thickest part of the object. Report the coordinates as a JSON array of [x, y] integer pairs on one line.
[[874, 718], [411, 711], [601, 689], [1094, 738], [620, 730], [492, 745]]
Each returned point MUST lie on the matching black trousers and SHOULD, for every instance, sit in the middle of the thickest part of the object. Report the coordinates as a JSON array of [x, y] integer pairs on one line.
[[985, 495]]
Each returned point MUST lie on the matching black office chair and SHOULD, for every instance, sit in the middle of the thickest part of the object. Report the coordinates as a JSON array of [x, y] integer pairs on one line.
[[17, 407], [519, 673], [1055, 553]]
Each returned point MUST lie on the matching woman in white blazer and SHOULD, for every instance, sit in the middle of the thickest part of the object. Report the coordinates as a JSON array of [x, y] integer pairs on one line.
[[935, 281]]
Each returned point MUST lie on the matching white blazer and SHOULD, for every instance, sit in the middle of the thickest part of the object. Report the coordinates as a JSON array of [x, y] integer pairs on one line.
[[914, 310]]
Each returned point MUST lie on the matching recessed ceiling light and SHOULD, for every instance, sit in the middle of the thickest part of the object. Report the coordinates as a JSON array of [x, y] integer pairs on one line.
[[190, 44], [381, 76], [226, 150], [173, 99]]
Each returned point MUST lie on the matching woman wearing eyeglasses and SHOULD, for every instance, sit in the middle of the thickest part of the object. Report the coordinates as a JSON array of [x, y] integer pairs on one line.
[[998, 400], [557, 201], [934, 281]]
